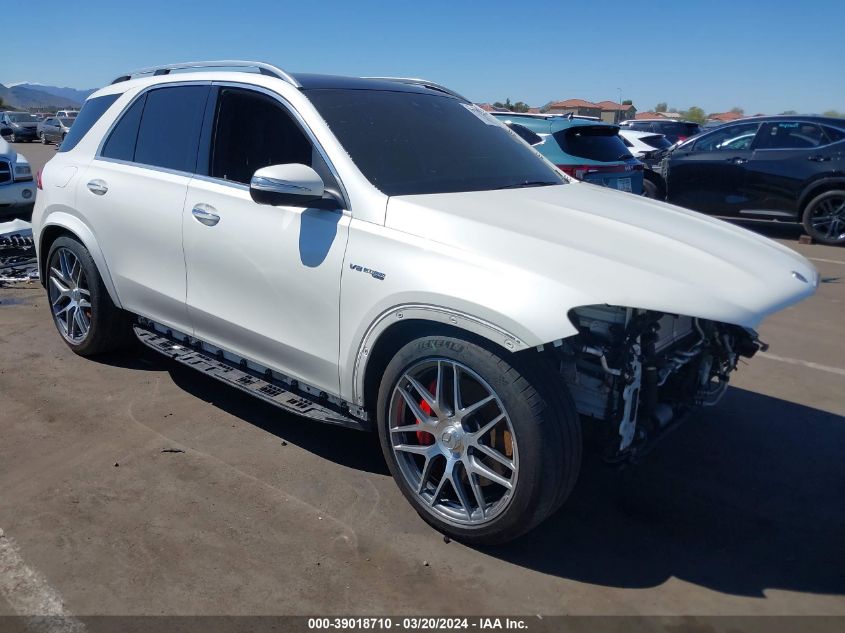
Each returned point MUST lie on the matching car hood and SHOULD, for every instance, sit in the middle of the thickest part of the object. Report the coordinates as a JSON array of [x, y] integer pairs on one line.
[[7, 151], [588, 245]]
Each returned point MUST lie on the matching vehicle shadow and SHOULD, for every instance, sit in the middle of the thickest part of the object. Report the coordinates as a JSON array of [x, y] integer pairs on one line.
[[341, 445], [744, 497]]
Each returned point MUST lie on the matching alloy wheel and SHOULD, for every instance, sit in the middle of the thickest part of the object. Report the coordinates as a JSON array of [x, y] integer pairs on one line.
[[453, 442], [70, 296], [828, 218]]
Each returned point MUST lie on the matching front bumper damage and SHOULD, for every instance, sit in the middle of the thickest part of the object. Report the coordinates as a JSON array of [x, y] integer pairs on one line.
[[638, 372]]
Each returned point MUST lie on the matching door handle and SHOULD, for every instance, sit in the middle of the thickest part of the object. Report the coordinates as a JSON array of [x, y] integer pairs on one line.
[[204, 214], [98, 187], [736, 160]]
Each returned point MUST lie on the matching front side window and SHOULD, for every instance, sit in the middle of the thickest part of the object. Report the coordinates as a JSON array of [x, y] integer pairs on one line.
[[253, 130], [408, 143], [524, 133], [791, 135], [88, 116], [728, 138]]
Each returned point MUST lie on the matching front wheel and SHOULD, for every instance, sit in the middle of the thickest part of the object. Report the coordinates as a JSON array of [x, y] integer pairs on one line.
[[483, 446], [824, 217], [43, 138]]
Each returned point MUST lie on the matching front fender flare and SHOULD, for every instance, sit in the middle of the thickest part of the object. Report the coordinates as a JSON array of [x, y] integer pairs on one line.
[[431, 313]]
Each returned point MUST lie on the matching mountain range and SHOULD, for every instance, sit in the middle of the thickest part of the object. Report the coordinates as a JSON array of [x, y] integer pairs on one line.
[[30, 96]]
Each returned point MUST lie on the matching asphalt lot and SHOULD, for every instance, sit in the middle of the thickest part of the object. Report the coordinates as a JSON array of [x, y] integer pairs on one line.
[[740, 511]]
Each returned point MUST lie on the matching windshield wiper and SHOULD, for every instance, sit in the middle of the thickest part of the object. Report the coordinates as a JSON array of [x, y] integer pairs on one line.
[[529, 183]]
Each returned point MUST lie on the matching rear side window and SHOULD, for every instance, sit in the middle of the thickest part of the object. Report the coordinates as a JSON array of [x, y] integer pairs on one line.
[[791, 135], [170, 127], [593, 142], [121, 141], [85, 120], [834, 134]]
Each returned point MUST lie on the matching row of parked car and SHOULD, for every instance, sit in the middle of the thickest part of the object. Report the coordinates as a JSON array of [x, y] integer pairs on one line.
[[788, 168], [27, 127]]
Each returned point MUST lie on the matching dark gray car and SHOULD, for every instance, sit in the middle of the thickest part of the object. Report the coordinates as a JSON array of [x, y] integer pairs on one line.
[[53, 129], [18, 126]]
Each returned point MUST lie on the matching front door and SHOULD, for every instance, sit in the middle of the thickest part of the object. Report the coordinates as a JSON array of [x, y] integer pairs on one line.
[[263, 281], [709, 174]]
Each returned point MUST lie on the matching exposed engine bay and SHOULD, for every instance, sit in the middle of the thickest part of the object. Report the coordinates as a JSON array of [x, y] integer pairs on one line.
[[637, 372]]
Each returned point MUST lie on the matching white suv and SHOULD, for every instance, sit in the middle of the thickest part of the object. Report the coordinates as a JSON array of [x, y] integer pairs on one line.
[[380, 253]]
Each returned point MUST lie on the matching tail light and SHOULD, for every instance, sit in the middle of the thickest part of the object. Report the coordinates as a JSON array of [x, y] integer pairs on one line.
[[580, 171], [38, 180]]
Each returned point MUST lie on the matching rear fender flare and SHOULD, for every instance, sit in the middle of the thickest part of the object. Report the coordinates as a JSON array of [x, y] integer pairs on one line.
[[81, 231]]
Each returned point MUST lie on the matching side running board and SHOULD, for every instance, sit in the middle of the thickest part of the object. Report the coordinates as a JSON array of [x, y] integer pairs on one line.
[[267, 385]]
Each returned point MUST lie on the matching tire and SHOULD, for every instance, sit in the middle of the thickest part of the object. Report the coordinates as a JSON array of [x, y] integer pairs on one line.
[[109, 329], [43, 138], [650, 190], [824, 217], [13, 138], [538, 433]]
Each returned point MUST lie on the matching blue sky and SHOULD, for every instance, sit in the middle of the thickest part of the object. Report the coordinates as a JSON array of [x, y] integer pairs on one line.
[[764, 56]]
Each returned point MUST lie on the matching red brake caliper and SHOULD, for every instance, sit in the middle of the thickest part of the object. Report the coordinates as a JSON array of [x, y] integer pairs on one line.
[[425, 438]]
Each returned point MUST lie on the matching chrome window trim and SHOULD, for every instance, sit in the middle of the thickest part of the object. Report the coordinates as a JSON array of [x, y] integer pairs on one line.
[[129, 163], [302, 124]]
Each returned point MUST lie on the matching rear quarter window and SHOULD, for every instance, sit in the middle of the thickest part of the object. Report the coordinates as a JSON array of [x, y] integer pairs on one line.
[[85, 120], [593, 142]]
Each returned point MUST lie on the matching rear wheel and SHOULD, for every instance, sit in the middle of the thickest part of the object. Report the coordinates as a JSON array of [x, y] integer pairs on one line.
[[484, 450], [83, 312], [824, 217]]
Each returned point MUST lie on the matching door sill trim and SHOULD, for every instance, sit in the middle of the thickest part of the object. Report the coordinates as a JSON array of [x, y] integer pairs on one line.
[[246, 375]]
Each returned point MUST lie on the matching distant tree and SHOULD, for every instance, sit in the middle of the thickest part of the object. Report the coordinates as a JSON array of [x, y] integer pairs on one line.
[[789, 112], [694, 114], [627, 102], [661, 107], [2, 103], [737, 110], [834, 113], [519, 106]]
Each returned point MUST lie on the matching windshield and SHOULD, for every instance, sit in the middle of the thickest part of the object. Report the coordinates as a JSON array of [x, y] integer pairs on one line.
[[409, 143], [21, 117]]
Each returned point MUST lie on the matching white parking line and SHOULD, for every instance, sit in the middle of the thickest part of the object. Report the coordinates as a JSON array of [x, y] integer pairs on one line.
[[827, 261], [28, 593], [804, 363]]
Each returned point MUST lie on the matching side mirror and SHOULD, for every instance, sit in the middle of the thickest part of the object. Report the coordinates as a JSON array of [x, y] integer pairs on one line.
[[292, 184]]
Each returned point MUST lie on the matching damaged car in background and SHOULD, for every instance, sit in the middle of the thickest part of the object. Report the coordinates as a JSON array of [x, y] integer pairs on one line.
[[406, 264]]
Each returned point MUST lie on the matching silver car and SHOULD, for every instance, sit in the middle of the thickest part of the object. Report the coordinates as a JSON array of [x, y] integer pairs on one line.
[[54, 129]]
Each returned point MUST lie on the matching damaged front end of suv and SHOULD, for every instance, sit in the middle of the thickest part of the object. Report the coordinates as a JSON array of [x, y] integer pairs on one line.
[[638, 372]]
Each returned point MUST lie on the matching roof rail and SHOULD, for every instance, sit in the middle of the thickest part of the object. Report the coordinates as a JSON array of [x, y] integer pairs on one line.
[[414, 81], [264, 69]]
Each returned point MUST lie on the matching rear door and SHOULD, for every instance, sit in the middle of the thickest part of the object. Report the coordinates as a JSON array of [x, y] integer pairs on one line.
[[708, 175], [787, 156], [134, 192], [263, 281]]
